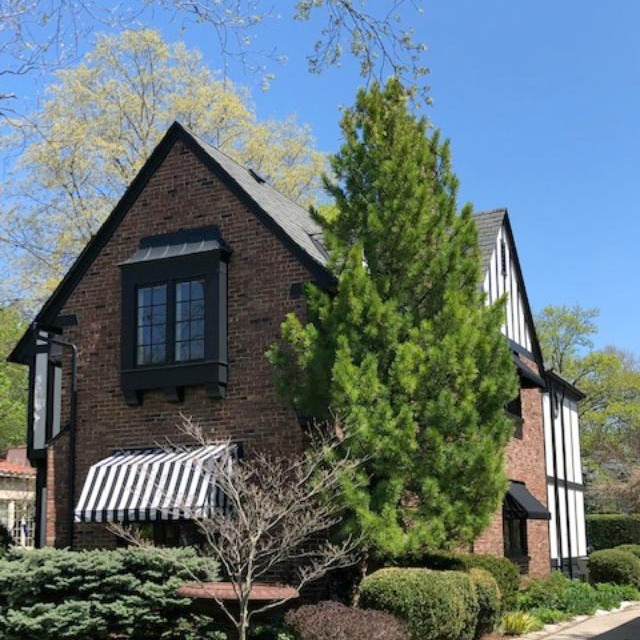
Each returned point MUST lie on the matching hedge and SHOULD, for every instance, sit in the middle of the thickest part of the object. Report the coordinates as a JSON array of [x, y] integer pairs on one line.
[[605, 530], [436, 605], [331, 620], [129, 593], [615, 566], [488, 595], [506, 574]]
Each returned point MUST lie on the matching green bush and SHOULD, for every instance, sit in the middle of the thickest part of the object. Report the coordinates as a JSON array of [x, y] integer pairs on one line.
[[504, 571], [6, 541], [549, 616], [611, 596], [436, 605], [631, 548], [613, 565], [488, 595], [130, 593], [605, 530], [516, 623]]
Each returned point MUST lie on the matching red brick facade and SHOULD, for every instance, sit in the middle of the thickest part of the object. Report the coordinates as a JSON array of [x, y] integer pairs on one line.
[[182, 193], [525, 461]]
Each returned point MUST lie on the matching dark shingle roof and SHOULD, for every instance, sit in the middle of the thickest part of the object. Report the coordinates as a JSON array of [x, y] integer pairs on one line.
[[488, 224], [292, 218]]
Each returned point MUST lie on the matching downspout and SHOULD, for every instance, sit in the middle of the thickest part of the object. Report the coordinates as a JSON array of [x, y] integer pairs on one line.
[[566, 486], [556, 491], [73, 412]]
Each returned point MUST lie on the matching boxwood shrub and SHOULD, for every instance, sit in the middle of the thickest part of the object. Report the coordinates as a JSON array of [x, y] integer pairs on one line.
[[606, 530], [488, 595], [505, 573], [436, 605], [125, 593], [631, 548], [332, 620], [614, 565]]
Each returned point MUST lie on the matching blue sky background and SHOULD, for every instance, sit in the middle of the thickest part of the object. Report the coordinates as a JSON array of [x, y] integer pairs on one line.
[[542, 102]]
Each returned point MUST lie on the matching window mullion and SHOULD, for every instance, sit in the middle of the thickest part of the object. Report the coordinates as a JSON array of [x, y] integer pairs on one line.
[[171, 321]]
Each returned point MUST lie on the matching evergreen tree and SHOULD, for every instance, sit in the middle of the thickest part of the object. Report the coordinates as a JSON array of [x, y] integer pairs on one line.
[[405, 350]]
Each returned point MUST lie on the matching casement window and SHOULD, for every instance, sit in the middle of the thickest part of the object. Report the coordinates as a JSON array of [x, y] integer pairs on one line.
[[174, 315], [515, 538]]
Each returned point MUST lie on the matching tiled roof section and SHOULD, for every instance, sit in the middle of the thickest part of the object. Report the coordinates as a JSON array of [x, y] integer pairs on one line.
[[292, 218], [12, 469], [488, 224], [260, 591]]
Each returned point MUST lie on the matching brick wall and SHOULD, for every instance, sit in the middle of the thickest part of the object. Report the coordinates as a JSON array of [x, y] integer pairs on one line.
[[525, 462], [181, 194]]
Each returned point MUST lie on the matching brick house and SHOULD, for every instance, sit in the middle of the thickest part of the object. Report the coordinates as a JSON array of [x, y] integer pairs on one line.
[[170, 308]]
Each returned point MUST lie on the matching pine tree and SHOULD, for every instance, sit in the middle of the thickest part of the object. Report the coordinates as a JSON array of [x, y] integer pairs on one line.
[[405, 350]]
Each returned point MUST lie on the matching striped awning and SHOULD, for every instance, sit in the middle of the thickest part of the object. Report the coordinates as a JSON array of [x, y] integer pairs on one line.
[[153, 484]]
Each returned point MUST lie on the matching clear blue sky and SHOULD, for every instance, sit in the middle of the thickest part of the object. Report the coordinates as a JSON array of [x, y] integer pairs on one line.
[[542, 103]]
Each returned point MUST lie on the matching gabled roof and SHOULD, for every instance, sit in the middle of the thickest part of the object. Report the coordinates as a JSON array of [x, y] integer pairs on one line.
[[289, 221], [489, 224]]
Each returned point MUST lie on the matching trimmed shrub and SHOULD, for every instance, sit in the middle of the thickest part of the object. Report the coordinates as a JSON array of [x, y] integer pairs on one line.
[[613, 565], [631, 548], [335, 621], [607, 530], [504, 571], [130, 593], [488, 596], [436, 605], [516, 623]]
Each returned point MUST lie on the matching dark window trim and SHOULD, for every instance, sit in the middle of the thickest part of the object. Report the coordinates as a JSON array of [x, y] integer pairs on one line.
[[172, 377]]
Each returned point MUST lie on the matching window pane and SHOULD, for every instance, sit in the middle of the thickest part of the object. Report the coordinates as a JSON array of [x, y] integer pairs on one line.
[[190, 321], [182, 351], [182, 291], [197, 289], [144, 297], [159, 314], [144, 335], [182, 311], [197, 349], [197, 329], [160, 294], [151, 330], [197, 309]]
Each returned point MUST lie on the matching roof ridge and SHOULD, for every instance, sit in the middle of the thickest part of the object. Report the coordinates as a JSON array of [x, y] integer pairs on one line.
[[249, 171]]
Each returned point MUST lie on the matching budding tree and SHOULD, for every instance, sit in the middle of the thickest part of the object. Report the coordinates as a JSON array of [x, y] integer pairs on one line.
[[279, 511]]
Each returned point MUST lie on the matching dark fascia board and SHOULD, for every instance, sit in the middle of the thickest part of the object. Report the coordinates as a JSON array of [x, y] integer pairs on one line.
[[525, 372], [571, 390], [537, 351], [83, 262]]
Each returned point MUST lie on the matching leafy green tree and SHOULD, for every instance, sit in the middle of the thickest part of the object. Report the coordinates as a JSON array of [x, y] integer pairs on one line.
[[13, 383], [406, 352], [610, 413], [99, 124]]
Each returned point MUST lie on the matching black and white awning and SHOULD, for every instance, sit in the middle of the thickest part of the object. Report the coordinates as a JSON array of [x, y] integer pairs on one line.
[[153, 484]]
